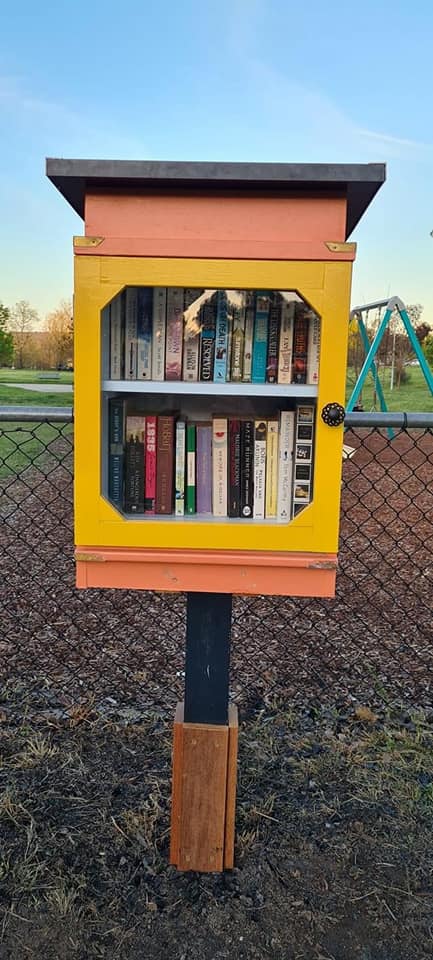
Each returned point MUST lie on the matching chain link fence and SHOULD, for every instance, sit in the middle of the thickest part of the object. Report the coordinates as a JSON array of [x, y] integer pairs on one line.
[[372, 644]]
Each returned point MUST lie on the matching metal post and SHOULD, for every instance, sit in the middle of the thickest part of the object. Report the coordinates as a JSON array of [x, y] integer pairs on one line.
[[207, 657]]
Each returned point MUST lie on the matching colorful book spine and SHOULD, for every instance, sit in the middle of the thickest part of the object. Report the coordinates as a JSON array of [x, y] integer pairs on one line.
[[190, 498], [303, 458], [271, 469], [116, 340], [286, 342], [234, 501], [207, 340], [237, 345], [313, 349], [174, 337], [274, 331], [259, 469], [179, 493], [131, 333], [260, 343], [300, 345], [285, 461], [144, 333], [164, 465], [229, 346], [191, 337], [204, 467], [150, 466], [134, 463], [116, 454], [219, 467], [250, 313], [247, 468], [221, 338], [158, 332]]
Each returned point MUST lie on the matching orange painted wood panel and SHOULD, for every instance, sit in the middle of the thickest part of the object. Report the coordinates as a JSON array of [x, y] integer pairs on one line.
[[248, 248], [203, 803], [232, 768]]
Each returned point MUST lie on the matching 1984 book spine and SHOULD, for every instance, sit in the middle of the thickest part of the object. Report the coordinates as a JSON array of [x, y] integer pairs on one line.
[[150, 466], [116, 454], [247, 468], [179, 493], [131, 333], [259, 469], [164, 464], [260, 342], [204, 467], [286, 342], [144, 333], [174, 337], [158, 332], [234, 502], [219, 467]]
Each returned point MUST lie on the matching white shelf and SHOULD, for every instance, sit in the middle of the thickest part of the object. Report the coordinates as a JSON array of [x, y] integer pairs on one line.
[[180, 387]]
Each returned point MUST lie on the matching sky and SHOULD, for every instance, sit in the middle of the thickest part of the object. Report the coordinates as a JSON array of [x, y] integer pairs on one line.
[[251, 80]]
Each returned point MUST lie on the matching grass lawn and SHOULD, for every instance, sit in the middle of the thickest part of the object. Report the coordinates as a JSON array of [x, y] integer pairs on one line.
[[23, 445], [412, 396], [34, 376], [13, 396]]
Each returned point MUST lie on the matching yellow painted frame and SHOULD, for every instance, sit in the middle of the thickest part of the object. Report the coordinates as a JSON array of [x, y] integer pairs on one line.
[[326, 285]]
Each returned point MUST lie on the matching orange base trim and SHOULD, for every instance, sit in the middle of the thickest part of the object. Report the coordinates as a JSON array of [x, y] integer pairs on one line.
[[226, 250], [211, 571]]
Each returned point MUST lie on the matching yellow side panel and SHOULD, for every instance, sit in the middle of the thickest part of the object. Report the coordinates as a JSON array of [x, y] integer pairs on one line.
[[97, 280]]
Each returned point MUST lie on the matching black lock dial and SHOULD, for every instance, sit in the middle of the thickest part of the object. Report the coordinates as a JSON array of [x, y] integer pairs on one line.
[[333, 414]]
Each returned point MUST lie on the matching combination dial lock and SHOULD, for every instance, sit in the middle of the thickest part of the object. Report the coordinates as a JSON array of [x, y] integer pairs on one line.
[[333, 414]]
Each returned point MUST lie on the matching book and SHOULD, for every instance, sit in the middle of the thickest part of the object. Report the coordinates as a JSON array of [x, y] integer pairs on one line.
[[271, 469], [115, 452], [219, 467], [204, 467], [190, 498], [234, 477], [221, 338], [300, 345], [285, 465], [285, 352], [116, 340], [150, 466], [273, 338], [164, 464], [179, 493], [303, 458], [260, 341], [207, 339], [174, 335], [259, 469], [250, 313], [237, 344], [247, 468], [131, 333], [313, 350], [144, 333], [191, 336], [229, 346], [158, 332], [135, 432]]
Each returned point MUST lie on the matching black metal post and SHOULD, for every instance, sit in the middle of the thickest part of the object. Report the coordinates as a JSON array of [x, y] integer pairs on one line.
[[207, 657]]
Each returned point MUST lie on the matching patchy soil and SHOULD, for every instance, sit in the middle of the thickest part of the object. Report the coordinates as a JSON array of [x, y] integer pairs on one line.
[[333, 858]]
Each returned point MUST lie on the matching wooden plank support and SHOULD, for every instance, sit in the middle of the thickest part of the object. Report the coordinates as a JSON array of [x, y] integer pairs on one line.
[[205, 743]]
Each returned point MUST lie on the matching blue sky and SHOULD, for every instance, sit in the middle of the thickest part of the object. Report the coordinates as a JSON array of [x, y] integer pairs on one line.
[[230, 80]]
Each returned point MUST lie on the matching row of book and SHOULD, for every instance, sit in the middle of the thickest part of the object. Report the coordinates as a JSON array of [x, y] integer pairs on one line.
[[228, 467], [244, 336]]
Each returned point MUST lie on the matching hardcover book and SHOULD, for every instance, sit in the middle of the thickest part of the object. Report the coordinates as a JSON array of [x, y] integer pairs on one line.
[[191, 336], [260, 342], [250, 313], [164, 464], [174, 336], [158, 332], [303, 458], [247, 468], [131, 333], [179, 494], [273, 337], [234, 502], [144, 333], [207, 339], [285, 465], [116, 340], [271, 469], [150, 466], [204, 467], [221, 338], [313, 351], [285, 357], [190, 499], [219, 467], [135, 432], [300, 345], [259, 469], [115, 453]]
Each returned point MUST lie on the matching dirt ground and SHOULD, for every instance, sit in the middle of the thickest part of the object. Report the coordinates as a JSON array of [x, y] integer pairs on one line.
[[333, 855]]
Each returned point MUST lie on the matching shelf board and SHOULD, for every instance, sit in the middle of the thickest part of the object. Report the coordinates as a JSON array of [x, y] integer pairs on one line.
[[180, 387]]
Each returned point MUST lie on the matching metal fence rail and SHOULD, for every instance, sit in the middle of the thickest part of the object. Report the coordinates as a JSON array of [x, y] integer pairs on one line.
[[372, 644]]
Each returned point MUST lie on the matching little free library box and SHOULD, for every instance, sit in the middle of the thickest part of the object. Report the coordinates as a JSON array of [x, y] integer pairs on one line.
[[211, 316]]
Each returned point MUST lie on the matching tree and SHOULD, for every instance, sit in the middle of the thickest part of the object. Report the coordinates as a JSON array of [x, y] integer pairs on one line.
[[59, 327], [6, 338], [23, 319], [427, 346]]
